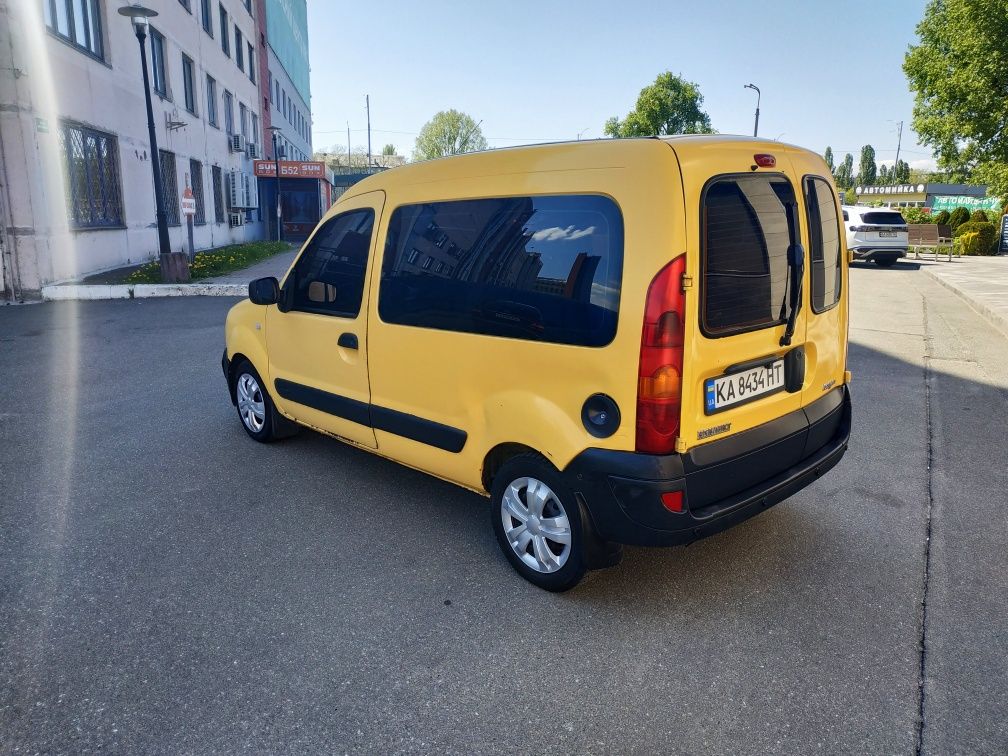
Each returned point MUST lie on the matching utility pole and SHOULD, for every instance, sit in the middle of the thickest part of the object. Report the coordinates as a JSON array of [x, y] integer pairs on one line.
[[899, 141], [367, 103], [348, 144]]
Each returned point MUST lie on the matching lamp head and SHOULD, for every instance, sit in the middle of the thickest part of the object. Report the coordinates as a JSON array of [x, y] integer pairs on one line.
[[139, 15]]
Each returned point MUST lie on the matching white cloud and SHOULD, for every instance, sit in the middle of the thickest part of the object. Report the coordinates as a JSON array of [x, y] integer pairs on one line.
[[924, 164], [555, 233]]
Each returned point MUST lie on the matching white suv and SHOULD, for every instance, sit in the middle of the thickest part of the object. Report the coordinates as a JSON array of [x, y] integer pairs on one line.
[[878, 234]]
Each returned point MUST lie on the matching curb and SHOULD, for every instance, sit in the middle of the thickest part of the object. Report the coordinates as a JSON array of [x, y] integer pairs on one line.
[[996, 319], [141, 291]]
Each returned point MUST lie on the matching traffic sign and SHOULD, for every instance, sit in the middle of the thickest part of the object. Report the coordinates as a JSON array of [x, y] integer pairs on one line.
[[188, 202]]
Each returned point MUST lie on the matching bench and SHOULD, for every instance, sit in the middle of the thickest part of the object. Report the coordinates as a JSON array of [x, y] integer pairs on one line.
[[929, 236]]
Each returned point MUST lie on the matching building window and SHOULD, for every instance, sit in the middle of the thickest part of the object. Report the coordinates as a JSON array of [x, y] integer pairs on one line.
[[91, 163], [189, 83], [243, 119], [211, 99], [276, 86], [207, 13], [169, 181], [269, 83], [251, 59], [217, 178], [248, 5], [158, 63], [228, 113], [185, 4], [225, 40], [76, 21], [255, 129], [196, 182], [239, 51]]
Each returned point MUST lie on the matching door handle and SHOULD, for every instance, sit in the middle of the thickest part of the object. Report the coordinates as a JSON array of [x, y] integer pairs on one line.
[[348, 340]]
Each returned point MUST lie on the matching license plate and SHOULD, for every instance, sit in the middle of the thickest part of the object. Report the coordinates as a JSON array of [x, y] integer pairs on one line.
[[887, 234], [729, 390]]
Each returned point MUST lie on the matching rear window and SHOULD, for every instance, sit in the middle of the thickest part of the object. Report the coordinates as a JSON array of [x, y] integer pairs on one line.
[[544, 268], [747, 227], [883, 218], [824, 241]]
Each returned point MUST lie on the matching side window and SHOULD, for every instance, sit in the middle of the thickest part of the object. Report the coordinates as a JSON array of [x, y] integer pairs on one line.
[[545, 268], [824, 241], [747, 226], [329, 276]]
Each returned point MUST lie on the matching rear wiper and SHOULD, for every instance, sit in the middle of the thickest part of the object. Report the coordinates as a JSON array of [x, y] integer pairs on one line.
[[796, 267]]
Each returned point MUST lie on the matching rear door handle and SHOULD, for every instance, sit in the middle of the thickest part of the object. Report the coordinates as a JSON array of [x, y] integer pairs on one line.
[[348, 340]]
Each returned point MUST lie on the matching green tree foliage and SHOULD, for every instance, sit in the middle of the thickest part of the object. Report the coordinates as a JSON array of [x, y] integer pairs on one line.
[[844, 174], [867, 172], [449, 132], [958, 73], [828, 157], [915, 215], [978, 216], [883, 175], [959, 216], [388, 149], [669, 106], [849, 198], [900, 173], [942, 218]]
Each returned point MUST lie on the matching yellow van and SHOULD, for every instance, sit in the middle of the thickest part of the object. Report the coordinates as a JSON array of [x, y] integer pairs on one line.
[[637, 341]]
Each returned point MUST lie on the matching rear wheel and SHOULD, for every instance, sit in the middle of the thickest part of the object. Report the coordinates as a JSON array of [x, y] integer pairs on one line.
[[885, 262], [538, 523]]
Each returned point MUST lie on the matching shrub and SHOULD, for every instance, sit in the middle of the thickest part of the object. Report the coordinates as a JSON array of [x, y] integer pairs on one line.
[[916, 215], [959, 216], [942, 218], [985, 242], [979, 216], [849, 197]]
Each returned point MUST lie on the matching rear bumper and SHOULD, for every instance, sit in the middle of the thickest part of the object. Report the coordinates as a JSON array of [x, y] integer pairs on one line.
[[723, 482], [870, 253]]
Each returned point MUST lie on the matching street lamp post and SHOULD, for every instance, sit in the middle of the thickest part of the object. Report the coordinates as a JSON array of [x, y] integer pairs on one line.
[[755, 125], [274, 130], [170, 271]]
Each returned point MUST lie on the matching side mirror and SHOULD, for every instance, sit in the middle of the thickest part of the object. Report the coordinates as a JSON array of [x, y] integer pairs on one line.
[[264, 291]]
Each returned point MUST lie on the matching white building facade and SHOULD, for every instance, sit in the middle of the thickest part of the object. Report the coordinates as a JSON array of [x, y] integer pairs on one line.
[[77, 186]]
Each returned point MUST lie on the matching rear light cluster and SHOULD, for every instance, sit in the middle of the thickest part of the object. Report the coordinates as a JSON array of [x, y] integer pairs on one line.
[[659, 374], [858, 229]]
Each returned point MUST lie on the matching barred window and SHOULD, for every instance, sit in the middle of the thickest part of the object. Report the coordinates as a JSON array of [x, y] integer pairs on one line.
[[91, 164], [217, 178], [76, 21], [196, 181], [169, 181]]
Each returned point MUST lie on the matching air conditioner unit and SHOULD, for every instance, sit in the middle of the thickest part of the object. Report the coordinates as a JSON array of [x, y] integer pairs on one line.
[[237, 142], [253, 151], [236, 219]]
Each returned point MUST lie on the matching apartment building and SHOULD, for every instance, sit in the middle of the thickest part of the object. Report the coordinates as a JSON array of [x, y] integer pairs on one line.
[[77, 187]]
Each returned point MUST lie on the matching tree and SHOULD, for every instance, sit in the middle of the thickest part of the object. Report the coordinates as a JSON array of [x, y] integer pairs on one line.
[[845, 172], [828, 157], [901, 172], [883, 175], [866, 168], [958, 73], [388, 149], [669, 106], [449, 132]]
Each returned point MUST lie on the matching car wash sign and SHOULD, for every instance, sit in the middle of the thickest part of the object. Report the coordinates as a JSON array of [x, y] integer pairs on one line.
[[970, 203]]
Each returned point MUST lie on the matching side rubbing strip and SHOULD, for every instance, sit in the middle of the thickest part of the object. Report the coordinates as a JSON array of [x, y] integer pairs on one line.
[[400, 423], [416, 428], [334, 404]]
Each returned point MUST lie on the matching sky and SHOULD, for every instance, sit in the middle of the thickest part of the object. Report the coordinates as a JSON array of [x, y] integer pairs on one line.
[[830, 73]]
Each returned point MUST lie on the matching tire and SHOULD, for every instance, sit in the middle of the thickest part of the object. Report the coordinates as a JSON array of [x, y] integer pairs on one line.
[[885, 262], [256, 410], [544, 519]]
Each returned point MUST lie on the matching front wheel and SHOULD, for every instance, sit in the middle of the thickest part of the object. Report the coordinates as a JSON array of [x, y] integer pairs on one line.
[[538, 523], [255, 406]]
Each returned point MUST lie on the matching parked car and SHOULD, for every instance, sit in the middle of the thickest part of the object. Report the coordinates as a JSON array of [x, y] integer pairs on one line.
[[878, 234], [637, 341]]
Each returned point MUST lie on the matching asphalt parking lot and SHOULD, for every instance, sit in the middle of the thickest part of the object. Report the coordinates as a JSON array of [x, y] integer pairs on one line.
[[168, 585]]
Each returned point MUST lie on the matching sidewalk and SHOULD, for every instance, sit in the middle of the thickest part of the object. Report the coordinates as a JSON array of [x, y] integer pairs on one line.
[[981, 281], [234, 284]]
